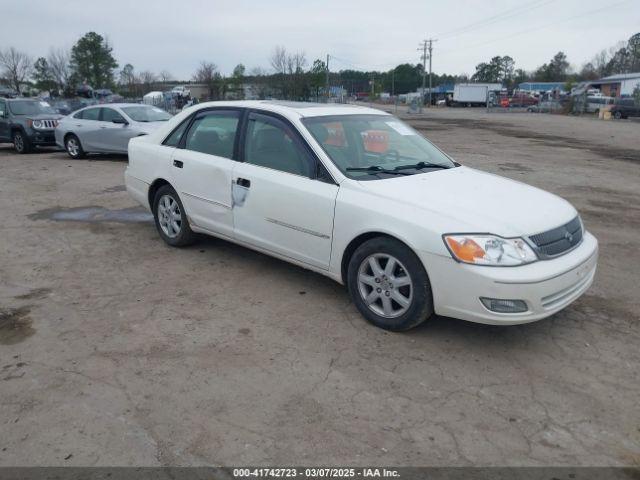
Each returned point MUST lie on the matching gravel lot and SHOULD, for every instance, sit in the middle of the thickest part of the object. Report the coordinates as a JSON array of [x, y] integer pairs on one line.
[[118, 350]]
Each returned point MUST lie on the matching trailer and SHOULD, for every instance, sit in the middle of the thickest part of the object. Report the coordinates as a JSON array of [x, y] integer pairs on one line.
[[475, 94]]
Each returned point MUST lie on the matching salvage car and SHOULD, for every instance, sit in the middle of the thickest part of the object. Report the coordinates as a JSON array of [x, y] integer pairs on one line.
[[357, 195], [107, 128], [27, 123], [625, 108]]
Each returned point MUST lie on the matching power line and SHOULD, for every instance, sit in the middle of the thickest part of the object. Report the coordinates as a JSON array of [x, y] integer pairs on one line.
[[362, 65], [507, 14], [539, 27]]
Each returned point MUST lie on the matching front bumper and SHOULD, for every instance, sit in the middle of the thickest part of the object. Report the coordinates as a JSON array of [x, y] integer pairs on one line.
[[547, 286], [43, 138]]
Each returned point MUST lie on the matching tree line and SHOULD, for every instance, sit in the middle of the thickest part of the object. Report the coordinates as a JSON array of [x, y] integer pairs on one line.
[[624, 57], [90, 61]]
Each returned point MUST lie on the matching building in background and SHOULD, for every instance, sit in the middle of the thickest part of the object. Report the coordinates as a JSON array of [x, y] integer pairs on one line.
[[540, 87], [621, 85]]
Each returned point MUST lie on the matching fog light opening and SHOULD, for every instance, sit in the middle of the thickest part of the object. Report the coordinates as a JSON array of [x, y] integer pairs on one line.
[[499, 305]]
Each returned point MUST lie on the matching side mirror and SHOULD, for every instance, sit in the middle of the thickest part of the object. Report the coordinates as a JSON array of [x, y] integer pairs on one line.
[[120, 121]]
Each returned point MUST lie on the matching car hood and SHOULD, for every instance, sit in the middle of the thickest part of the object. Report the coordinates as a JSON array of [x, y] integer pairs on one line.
[[148, 127], [467, 200], [44, 116]]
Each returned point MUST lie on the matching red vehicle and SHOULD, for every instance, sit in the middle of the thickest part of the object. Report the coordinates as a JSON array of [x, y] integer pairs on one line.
[[522, 99]]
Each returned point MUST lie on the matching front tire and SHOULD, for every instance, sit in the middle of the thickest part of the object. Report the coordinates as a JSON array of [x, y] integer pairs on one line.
[[617, 115], [73, 147], [21, 142], [171, 219], [389, 285]]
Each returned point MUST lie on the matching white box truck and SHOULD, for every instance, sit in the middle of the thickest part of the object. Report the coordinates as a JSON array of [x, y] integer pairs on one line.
[[475, 94]]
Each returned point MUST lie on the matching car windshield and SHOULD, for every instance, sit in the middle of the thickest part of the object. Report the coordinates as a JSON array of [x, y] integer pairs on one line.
[[30, 107], [371, 147], [145, 113]]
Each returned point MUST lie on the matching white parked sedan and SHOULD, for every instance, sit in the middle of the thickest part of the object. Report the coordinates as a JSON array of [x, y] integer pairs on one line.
[[357, 195], [107, 128]]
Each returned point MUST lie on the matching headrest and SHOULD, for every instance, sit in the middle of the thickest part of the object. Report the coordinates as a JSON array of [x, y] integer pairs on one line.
[[269, 139], [204, 140]]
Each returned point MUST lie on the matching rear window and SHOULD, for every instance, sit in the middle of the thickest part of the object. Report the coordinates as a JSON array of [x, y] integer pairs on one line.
[[91, 114], [146, 113], [174, 139]]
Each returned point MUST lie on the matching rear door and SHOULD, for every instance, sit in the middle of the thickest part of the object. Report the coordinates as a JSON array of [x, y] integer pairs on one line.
[[202, 169], [280, 204], [88, 129]]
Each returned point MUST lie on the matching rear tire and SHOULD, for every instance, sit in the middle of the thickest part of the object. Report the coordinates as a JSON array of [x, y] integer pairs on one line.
[[617, 115], [171, 219], [389, 285], [73, 147], [21, 142]]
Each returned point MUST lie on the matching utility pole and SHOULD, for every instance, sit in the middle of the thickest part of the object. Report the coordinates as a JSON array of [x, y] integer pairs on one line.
[[393, 82], [423, 47], [327, 79], [427, 45], [430, 73]]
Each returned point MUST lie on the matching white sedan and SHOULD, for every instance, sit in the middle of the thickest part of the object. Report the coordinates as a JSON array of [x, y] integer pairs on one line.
[[355, 194]]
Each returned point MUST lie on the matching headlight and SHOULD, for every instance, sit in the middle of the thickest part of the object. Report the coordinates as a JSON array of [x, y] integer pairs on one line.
[[479, 249], [37, 124]]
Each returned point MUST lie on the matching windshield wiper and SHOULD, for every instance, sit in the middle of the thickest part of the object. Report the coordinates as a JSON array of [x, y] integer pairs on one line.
[[420, 165], [373, 169]]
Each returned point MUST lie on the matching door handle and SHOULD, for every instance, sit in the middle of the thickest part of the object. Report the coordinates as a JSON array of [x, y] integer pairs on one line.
[[243, 182], [178, 163]]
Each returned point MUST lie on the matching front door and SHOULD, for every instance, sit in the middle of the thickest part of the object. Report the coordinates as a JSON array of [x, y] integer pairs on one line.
[[279, 205], [115, 136], [202, 168]]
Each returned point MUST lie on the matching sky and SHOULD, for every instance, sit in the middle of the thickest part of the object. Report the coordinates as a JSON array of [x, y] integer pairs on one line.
[[177, 35]]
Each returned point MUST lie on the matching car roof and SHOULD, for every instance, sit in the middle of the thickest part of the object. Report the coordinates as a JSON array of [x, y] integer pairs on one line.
[[117, 105], [299, 109]]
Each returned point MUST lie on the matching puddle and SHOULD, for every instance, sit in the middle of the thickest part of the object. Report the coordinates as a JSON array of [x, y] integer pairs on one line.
[[514, 167], [93, 214], [15, 325], [37, 293]]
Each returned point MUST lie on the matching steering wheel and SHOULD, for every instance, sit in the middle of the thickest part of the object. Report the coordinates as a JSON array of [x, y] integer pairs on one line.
[[392, 156]]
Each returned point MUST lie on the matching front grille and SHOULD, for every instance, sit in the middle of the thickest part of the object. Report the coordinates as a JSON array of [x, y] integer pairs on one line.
[[49, 123], [558, 240]]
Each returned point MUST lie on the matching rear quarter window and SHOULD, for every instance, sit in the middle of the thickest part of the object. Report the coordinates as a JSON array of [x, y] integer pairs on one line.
[[174, 137]]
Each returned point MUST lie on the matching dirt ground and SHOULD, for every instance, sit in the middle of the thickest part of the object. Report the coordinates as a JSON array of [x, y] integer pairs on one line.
[[118, 350]]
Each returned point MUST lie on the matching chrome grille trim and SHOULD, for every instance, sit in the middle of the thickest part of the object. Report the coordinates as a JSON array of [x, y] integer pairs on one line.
[[557, 241], [47, 124]]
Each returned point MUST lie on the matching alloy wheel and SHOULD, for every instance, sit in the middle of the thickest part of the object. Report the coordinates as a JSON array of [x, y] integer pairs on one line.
[[385, 285], [72, 147], [169, 216], [18, 142]]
